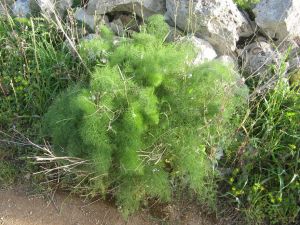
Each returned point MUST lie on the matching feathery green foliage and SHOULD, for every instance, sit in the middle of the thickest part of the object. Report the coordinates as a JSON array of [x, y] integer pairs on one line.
[[147, 119], [96, 51], [156, 26]]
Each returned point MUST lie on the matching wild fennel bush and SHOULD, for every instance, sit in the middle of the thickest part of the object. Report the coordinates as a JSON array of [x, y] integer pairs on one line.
[[265, 182], [147, 121]]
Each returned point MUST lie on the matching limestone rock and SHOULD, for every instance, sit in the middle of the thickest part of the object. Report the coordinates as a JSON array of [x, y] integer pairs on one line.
[[227, 60], [143, 8], [129, 21], [174, 34], [91, 20], [205, 52], [117, 27], [5, 7], [90, 37], [21, 8], [51, 7], [83, 16], [258, 57], [294, 64], [279, 18], [217, 21], [291, 48], [124, 25]]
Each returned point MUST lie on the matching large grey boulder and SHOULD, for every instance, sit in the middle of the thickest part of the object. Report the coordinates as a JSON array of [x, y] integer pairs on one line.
[[174, 34], [258, 57], [117, 27], [51, 7], [92, 22], [21, 8], [143, 8], [228, 60], [279, 18], [294, 55], [205, 52], [291, 49], [82, 15], [5, 7], [218, 21], [294, 64]]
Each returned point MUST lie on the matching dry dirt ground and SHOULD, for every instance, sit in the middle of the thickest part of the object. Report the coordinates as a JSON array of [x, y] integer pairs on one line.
[[18, 208]]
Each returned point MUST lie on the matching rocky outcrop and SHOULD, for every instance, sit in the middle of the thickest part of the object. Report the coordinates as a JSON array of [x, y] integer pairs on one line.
[[217, 21], [96, 8], [279, 19], [216, 26], [143, 8]]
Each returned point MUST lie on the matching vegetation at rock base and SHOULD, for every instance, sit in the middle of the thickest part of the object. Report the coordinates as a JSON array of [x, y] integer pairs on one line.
[[246, 4], [265, 181], [35, 66]]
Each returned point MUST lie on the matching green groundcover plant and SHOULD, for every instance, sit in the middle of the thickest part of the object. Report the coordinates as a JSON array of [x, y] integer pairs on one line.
[[147, 122], [7, 173], [265, 181], [34, 66]]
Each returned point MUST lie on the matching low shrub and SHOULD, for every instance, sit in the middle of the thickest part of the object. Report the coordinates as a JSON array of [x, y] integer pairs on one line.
[[147, 121]]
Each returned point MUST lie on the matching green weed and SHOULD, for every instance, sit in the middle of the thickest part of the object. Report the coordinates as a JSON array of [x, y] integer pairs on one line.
[[265, 181], [35, 66], [7, 174]]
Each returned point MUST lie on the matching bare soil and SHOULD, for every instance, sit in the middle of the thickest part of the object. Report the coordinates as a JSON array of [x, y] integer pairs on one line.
[[18, 208]]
